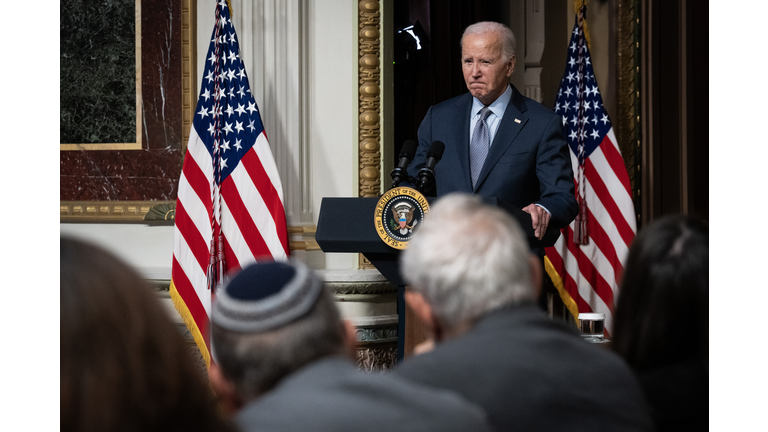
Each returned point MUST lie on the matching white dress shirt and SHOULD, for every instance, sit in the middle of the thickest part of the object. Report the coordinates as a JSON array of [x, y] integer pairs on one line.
[[493, 120]]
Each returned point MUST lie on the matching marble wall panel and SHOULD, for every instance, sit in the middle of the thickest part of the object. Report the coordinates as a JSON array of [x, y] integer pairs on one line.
[[97, 72], [151, 173], [120, 175], [161, 73]]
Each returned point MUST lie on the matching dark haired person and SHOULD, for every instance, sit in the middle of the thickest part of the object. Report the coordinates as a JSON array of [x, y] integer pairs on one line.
[[284, 362], [124, 365], [661, 325]]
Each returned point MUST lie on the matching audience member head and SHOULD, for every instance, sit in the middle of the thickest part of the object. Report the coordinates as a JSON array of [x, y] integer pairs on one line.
[[662, 314], [268, 322], [124, 364], [467, 259]]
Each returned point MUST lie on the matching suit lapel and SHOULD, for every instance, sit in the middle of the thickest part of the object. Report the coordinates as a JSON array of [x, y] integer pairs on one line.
[[505, 134], [463, 111]]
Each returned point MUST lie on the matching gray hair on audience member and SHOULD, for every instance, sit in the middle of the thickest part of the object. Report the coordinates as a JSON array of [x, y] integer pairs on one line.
[[508, 42], [253, 347], [468, 258]]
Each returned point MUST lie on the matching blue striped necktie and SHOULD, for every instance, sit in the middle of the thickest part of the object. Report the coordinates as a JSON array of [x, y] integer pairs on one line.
[[479, 145]]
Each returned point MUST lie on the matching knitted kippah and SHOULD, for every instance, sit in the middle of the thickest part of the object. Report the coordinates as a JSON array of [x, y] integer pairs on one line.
[[264, 296]]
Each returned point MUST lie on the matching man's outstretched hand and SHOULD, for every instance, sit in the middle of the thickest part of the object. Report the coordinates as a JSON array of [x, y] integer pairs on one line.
[[539, 219]]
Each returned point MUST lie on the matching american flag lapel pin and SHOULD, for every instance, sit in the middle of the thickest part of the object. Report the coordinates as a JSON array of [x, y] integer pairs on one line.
[[517, 120]]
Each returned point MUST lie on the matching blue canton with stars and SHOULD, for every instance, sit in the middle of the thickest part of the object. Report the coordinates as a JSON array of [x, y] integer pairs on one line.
[[239, 122], [575, 88]]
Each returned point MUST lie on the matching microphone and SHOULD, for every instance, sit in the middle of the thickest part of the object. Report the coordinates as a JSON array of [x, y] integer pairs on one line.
[[406, 156], [427, 174]]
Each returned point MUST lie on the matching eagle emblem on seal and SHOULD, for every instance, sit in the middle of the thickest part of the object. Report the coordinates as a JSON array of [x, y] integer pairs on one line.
[[403, 213], [397, 213]]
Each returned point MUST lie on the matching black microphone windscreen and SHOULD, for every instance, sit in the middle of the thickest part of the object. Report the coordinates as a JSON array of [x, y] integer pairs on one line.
[[409, 149], [436, 150]]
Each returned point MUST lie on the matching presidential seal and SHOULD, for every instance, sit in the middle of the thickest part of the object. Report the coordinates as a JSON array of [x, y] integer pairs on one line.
[[399, 213]]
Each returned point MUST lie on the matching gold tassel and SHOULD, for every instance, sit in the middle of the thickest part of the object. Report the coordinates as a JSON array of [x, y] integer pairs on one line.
[[577, 4]]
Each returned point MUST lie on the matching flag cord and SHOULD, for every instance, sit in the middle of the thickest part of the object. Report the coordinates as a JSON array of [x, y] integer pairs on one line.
[[577, 5], [216, 261], [580, 233]]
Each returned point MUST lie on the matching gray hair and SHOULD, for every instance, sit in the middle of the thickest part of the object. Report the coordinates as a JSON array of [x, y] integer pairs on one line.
[[256, 361], [508, 42], [468, 258]]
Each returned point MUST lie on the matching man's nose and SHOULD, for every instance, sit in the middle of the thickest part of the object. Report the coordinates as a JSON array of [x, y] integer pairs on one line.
[[475, 70]]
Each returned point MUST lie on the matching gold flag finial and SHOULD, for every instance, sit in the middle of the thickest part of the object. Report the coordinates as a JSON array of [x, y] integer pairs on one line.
[[577, 4]]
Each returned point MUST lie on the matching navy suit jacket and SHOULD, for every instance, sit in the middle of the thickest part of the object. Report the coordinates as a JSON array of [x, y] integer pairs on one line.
[[528, 162]]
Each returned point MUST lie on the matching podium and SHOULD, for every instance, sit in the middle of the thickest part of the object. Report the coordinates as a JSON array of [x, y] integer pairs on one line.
[[347, 225]]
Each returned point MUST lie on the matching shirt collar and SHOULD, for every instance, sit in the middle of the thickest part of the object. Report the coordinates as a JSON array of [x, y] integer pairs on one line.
[[497, 107]]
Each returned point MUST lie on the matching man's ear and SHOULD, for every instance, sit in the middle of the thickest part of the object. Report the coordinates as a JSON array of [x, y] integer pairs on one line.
[[225, 390], [511, 66], [537, 276], [420, 308]]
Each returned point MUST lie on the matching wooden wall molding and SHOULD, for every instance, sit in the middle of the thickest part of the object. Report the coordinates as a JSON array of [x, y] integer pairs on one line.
[[377, 359], [627, 123], [188, 69], [115, 211], [157, 213], [369, 100]]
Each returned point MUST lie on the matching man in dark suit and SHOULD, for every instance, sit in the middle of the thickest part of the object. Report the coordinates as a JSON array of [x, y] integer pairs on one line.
[[514, 150], [283, 362], [471, 280]]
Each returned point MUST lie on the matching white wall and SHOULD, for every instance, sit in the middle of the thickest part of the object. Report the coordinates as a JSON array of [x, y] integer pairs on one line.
[[334, 107], [149, 249]]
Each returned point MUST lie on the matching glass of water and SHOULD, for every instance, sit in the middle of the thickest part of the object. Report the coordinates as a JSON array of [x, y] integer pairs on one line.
[[592, 326]]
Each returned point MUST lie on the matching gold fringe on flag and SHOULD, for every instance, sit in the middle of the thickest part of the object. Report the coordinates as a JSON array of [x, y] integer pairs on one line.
[[577, 4], [186, 316], [231, 12], [569, 302]]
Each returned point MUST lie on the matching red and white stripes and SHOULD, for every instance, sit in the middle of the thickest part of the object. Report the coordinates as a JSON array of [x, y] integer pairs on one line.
[[588, 275], [252, 221]]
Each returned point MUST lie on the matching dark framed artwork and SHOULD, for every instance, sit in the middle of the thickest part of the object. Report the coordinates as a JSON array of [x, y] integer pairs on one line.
[[127, 101]]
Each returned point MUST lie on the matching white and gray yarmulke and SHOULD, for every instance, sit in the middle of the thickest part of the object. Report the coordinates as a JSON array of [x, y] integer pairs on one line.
[[265, 296]]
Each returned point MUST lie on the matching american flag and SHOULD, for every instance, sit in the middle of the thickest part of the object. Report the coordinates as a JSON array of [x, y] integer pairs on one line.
[[229, 209], [587, 261]]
